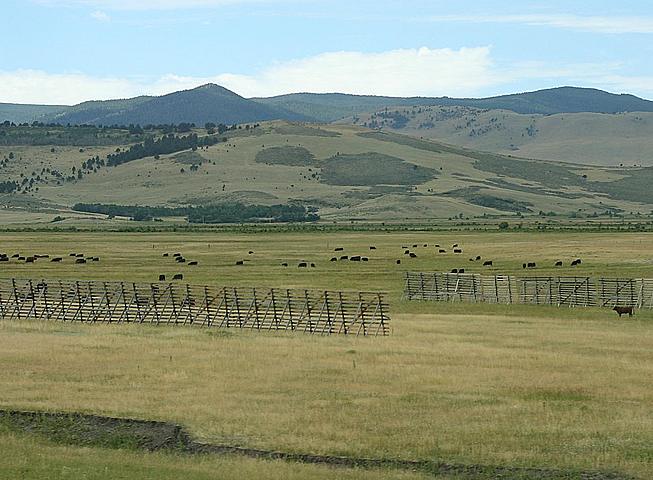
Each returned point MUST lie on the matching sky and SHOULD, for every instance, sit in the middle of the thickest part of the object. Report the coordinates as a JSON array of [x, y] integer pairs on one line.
[[62, 52]]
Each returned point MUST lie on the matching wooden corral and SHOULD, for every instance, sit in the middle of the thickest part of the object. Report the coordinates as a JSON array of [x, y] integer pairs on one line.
[[311, 311], [558, 291]]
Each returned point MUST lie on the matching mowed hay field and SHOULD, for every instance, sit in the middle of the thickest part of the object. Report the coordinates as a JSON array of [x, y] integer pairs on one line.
[[473, 384]]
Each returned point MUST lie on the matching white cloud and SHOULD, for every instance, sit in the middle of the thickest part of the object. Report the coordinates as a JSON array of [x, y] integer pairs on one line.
[[405, 72], [100, 16], [421, 71], [598, 24]]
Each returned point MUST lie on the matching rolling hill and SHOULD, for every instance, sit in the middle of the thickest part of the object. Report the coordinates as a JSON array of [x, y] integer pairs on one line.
[[585, 138], [346, 172]]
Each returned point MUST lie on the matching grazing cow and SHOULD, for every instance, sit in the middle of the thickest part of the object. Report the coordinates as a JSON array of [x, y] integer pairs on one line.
[[162, 278], [372, 247], [454, 245], [240, 262], [355, 258], [413, 255], [407, 252], [455, 270], [72, 254], [398, 262], [80, 260], [177, 255], [365, 259], [312, 265], [250, 252], [404, 246], [334, 259], [478, 257], [344, 257], [442, 251], [558, 264], [96, 259], [426, 245], [523, 265], [488, 263], [437, 246], [576, 262], [80, 255], [21, 258], [57, 259], [623, 311], [193, 263], [180, 260], [30, 260], [457, 250], [338, 249], [4, 259], [302, 265], [284, 264], [15, 255], [178, 276], [531, 265], [461, 270], [166, 254]]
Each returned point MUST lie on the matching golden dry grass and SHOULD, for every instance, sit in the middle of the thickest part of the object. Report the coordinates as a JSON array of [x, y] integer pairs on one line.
[[505, 385]]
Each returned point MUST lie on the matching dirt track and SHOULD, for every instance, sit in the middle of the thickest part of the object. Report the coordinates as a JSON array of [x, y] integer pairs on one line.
[[93, 430]]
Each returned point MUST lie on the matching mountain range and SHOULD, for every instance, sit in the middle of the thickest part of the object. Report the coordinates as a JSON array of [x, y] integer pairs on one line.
[[213, 103]]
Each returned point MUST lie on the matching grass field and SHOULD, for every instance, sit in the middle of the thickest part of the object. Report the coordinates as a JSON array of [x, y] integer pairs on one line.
[[474, 384]]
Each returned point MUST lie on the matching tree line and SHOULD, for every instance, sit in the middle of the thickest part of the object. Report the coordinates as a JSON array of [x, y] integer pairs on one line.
[[219, 213]]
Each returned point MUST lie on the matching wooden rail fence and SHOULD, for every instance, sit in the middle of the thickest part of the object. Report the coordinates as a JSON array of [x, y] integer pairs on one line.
[[311, 311], [558, 291]]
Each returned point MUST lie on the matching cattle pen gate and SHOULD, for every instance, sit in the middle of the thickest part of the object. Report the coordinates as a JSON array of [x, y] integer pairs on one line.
[[311, 311], [537, 290]]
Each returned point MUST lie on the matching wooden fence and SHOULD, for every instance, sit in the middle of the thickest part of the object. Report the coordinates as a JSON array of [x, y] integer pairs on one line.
[[558, 291], [311, 311]]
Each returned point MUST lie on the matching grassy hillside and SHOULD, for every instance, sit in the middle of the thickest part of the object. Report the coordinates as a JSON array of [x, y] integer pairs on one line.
[[586, 138], [346, 172]]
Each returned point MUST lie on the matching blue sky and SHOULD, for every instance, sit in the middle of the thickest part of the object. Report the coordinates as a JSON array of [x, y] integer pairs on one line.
[[67, 51]]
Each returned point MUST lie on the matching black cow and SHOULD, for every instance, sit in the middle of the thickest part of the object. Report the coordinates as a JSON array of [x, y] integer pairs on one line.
[[488, 263], [177, 255], [372, 247], [334, 259], [302, 265], [240, 262], [398, 262], [166, 254], [413, 255], [442, 251], [454, 245], [251, 252], [478, 257], [284, 264], [576, 262], [4, 259], [80, 260], [339, 249], [30, 260], [455, 270], [523, 265], [461, 270], [72, 254], [365, 259], [96, 259], [162, 278], [457, 250], [312, 265], [623, 311], [558, 264], [193, 263], [178, 276], [180, 260], [531, 265], [344, 257], [80, 255], [15, 255], [57, 259], [426, 245], [355, 258], [407, 252]]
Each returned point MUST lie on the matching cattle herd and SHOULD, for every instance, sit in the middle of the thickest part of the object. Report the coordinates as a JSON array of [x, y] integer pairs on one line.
[[77, 258]]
